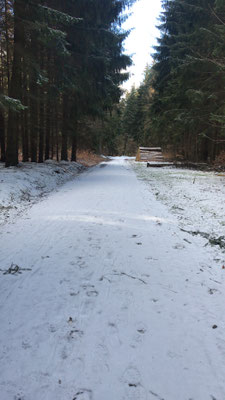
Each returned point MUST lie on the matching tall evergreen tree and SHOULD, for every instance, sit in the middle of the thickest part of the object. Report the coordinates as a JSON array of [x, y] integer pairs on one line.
[[66, 63], [189, 79]]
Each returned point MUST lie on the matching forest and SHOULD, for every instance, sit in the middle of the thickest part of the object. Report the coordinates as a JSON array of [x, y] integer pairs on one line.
[[62, 66], [180, 103]]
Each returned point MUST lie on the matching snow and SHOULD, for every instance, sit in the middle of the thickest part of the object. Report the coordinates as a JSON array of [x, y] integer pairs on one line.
[[196, 198], [113, 298], [22, 186]]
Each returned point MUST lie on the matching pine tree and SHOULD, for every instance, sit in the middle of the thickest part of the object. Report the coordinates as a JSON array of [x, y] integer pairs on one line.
[[188, 81], [66, 64]]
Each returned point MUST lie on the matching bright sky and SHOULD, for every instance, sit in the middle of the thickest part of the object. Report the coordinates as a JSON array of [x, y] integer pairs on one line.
[[142, 38]]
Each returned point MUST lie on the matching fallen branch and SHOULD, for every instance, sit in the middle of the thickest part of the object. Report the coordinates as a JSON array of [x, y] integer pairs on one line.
[[14, 269], [220, 241], [130, 276]]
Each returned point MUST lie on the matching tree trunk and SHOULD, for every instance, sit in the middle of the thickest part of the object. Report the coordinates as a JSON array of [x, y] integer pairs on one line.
[[52, 138], [25, 136], [25, 115], [15, 89], [41, 129], [34, 119], [41, 95], [7, 42], [74, 146], [47, 131], [64, 149], [125, 143], [34, 99], [2, 136], [56, 127]]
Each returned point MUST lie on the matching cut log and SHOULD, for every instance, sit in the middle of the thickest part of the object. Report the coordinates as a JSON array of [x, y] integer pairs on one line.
[[159, 165], [149, 154]]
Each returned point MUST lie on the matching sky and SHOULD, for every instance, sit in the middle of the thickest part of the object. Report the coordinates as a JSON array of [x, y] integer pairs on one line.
[[143, 36]]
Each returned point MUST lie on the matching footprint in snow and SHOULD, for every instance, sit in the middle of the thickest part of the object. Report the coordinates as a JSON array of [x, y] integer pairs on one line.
[[81, 263], [19, 397], [83, 394], [87, 286], [179, 246], [92, 293], [95, 247], [113, 335], [149, 258], [75, 334], [109, 254], [127, 299], [74, 294], [87, 307], [212, 291], [132, 383], [113, 327], [64, 354], [90, 290], [100, 359], [141, 329], [26, 345], [52, 329], [138, 338], [135, 236], [87, 278]]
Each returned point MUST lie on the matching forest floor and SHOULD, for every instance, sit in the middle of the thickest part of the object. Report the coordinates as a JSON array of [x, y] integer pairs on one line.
[[89, 159], [113, 288]]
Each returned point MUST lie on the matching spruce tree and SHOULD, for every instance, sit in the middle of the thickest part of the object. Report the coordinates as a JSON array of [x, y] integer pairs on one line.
[[188, 80], [67, 64]]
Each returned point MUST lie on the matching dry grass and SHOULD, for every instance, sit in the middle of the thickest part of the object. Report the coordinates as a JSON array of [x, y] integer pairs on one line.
[[89, 159], [84, 157], [220, 159]]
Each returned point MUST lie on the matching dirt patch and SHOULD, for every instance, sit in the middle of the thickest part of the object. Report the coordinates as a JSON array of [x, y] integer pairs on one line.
[[89, 159]]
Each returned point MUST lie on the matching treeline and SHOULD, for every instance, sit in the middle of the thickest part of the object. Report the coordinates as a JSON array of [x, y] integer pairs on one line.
[[129, 124], [61, 67], [181, 103]]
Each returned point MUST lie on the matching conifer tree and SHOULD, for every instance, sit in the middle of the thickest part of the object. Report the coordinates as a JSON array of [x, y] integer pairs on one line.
[[189, 79], [66, 63]]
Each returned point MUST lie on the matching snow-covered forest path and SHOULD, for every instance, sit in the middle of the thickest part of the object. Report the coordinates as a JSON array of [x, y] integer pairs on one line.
[[113, 301]]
